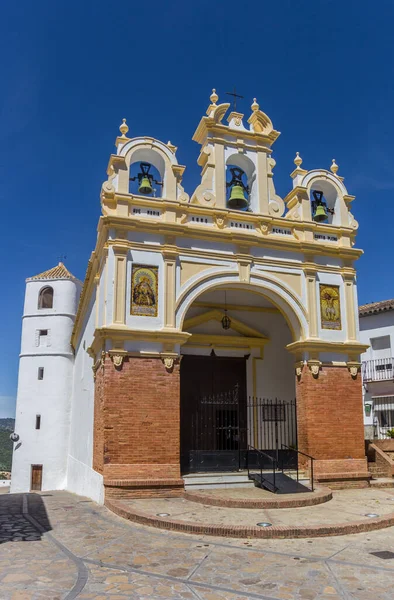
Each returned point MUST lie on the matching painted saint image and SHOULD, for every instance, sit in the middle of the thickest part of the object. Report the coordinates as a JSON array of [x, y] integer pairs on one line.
[[144, 290], [330, 309], [143, 294]]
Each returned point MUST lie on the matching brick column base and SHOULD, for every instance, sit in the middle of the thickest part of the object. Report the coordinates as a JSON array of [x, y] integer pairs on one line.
[[331, 426], [136, 428]]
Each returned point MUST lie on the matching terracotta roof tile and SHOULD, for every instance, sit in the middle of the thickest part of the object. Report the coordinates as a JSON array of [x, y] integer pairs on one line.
[[375, 307], [58, 272]]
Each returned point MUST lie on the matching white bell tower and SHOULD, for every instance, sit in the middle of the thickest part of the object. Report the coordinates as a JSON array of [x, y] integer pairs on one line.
[[45, 380]]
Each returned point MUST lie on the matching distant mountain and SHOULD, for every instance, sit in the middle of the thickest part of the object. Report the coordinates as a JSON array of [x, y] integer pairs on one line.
[[6, 427], [7, 424]]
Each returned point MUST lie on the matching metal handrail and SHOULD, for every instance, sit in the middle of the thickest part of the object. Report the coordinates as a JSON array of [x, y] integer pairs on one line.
[[274, 465], [303, 454]]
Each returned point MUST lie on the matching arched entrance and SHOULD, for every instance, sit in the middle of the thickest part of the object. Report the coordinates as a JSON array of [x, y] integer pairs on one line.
[[237, 379]]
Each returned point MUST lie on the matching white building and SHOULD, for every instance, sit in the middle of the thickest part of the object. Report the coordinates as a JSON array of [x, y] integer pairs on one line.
[[45, 377], [377, 330]]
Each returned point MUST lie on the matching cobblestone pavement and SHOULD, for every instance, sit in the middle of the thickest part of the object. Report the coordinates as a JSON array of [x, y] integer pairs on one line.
[[60, 546]]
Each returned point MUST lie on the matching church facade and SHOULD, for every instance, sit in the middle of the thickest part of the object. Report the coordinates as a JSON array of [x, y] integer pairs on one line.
[[203, 318]]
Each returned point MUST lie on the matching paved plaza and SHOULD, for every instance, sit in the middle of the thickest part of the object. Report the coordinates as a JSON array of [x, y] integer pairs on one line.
[[59, 546]]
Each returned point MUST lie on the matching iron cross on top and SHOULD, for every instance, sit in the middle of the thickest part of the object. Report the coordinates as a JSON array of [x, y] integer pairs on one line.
[[234, 93]]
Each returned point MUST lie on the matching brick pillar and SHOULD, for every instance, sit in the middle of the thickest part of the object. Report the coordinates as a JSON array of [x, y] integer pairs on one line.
[[137, 428], [331, 425]]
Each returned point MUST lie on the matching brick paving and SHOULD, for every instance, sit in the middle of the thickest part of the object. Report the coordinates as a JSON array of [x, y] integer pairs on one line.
[[350, 511], [81, 550]]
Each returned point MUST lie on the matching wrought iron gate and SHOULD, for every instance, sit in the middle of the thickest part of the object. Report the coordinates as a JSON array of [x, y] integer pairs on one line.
[[218, 423], [213, 414], [272, 427]]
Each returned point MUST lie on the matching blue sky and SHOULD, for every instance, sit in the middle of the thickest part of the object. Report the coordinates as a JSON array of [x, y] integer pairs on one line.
[[322, 70]]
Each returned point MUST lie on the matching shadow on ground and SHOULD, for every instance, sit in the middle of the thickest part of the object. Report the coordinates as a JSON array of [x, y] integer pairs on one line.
[[22, 520]]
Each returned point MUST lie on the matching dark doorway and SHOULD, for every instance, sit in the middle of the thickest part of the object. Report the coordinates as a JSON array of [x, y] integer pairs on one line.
[[36, 478], [213, 413]]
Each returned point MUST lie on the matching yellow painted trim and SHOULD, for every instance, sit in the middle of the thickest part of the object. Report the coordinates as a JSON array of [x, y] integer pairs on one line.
[[251, 237], [313, 345], [169, 292], [120, 255], [240, 307], [217, 315], [350, 308], [312, 302], [225, 341]]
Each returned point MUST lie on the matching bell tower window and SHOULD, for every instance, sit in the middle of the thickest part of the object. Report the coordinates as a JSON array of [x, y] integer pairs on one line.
[[237, 190], [45, 298], [145, 180]]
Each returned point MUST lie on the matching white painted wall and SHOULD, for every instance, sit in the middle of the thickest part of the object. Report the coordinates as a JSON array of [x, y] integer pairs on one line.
[[50, 397], [81, 478]]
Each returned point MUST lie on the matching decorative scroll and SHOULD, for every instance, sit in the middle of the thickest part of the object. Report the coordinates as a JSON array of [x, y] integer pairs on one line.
[[330, 307], [144, 291]]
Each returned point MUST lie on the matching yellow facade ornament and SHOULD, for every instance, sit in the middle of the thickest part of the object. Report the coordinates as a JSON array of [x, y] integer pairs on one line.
[[334, 167], [265, 228], [220, 221], [168, 362], [255, 106], [298, 368], [117, 359], [124, 128], [298, 160], [314, 367], [354, 368], [214, 97]]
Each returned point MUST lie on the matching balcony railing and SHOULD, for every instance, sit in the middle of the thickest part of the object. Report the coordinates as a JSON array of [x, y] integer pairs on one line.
[[380, 369]]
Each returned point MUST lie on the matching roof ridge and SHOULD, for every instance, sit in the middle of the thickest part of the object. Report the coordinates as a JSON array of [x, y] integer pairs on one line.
[[376, 307], [57, 272]]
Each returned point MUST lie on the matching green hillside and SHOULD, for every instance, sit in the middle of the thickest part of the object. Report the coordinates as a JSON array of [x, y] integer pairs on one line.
[[6, 427]]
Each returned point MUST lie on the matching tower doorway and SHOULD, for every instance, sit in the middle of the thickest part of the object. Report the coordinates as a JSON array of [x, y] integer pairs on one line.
[[213, 413]]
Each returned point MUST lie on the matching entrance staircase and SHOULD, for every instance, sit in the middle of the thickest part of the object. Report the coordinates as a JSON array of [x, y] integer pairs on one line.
[[380, 464], [212, 481]]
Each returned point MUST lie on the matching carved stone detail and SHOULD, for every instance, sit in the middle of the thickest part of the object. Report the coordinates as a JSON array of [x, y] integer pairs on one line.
[[314, 366], [117, 359], [298, 368], [168, 362], [220, 221], [354, 368]]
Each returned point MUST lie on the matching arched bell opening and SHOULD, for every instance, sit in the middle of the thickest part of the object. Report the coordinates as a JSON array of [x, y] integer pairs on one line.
[[237, 381], [324, 203], [145, 180], [240, 177]]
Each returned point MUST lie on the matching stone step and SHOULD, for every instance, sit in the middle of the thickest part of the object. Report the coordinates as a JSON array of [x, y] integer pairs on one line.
[[382, 482], [204, 481]]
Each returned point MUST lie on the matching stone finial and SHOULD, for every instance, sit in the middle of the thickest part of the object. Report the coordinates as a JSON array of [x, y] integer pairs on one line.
[[123, 128], [298, 160], [214, 97], [255, 106], [334, 167]]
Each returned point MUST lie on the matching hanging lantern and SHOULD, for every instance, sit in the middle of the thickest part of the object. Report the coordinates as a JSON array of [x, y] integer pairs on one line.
[[237, 199], [226, 321]]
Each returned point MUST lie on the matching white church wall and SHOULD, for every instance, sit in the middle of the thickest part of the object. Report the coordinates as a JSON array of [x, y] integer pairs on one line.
[[81, 477]]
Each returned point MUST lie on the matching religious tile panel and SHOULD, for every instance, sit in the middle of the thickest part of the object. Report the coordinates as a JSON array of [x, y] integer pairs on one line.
[[144, 287], [330, 307]]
